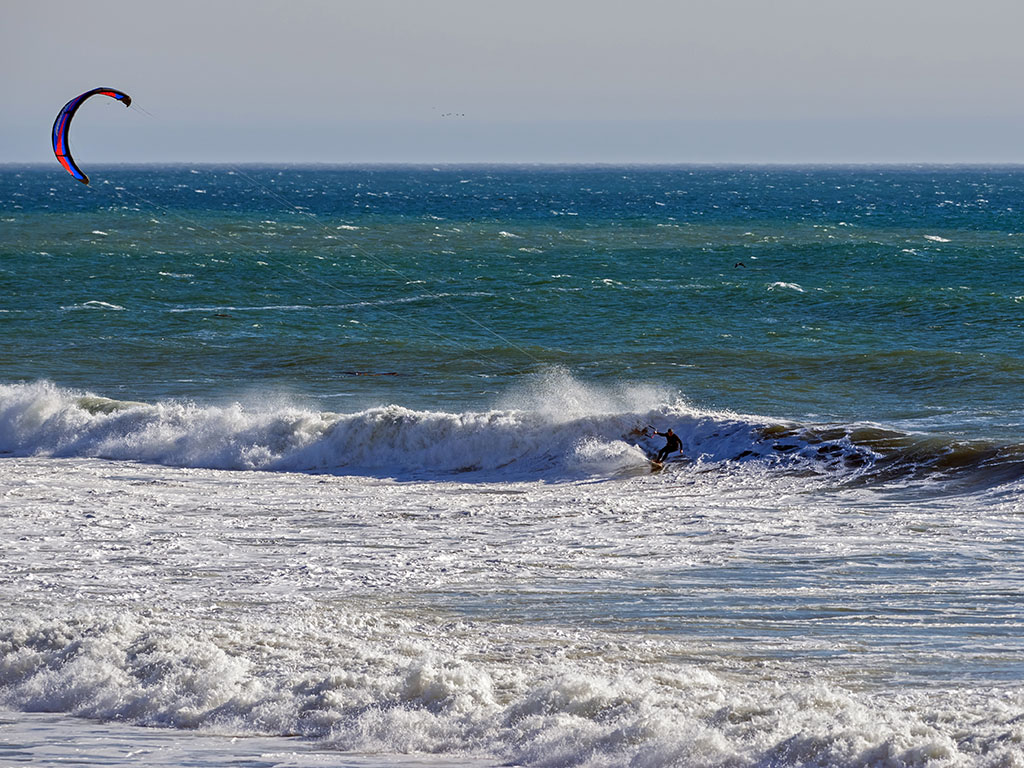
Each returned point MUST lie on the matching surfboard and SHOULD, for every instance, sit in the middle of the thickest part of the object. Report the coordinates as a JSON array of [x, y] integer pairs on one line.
[[658, 466]]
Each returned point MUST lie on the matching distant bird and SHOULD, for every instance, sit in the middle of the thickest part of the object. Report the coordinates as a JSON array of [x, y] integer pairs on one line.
[[739, 264]]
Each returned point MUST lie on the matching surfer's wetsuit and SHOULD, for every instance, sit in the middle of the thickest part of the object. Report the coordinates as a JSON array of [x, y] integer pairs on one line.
[[672, 444]]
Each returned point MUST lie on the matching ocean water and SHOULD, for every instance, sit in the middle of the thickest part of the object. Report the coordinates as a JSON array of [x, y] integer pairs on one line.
[[349, 466]]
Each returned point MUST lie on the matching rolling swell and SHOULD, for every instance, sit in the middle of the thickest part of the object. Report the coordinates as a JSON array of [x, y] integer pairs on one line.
[[547, 438], [869, 454]]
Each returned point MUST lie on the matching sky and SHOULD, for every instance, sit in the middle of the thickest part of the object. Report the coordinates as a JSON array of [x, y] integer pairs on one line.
[[531, 81]]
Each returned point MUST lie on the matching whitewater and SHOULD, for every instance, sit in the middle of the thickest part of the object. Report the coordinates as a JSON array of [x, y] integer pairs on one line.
[[243, 573]]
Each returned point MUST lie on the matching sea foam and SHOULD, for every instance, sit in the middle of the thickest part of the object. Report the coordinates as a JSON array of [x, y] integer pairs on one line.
[[557, 427], [348, 684], [554, 428]]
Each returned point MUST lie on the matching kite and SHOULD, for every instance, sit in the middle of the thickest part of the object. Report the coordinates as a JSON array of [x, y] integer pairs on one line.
[[63, 122]]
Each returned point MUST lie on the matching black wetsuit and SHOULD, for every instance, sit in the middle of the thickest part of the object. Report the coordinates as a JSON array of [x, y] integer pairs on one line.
[[672, 444]]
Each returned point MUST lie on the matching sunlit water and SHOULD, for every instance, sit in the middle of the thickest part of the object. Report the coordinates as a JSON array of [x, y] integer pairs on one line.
[[349, 467]]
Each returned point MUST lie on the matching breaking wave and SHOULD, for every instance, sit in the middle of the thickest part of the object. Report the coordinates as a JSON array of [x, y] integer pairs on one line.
[[347, 684], [556, 429]]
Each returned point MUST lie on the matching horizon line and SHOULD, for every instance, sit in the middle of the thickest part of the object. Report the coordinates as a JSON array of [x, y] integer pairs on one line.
[[535, 163]]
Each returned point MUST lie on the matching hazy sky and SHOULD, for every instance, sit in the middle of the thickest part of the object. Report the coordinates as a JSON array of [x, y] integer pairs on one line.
[[439, 81]]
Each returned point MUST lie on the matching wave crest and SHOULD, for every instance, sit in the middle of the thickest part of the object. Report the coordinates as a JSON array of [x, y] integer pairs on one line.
[[555, 429]]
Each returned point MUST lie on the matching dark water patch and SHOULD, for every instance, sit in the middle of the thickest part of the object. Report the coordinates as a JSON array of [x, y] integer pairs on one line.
[[870, 455]]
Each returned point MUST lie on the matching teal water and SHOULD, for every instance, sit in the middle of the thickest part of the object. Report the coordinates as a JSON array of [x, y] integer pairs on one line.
[[889, 295]]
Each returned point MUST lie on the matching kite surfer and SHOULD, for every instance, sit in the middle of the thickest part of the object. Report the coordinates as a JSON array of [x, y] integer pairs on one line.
[[672, 444]]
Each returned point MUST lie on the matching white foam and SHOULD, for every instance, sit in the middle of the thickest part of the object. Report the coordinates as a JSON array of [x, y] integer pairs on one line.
[[541, 437], [701, 619], [95, 304], [365, 683], [553, 427], [786, 286]]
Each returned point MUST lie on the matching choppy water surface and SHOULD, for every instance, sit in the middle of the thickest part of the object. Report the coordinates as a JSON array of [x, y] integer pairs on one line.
[[863, 294]]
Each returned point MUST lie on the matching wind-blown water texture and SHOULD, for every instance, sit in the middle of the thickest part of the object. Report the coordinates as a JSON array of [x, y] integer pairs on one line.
[[838, 295]]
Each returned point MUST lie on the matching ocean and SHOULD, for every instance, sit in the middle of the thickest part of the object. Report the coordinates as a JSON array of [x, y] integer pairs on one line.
[[349, 466]]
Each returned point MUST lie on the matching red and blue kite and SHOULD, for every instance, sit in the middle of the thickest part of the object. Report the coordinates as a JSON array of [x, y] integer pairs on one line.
[[63, 122]]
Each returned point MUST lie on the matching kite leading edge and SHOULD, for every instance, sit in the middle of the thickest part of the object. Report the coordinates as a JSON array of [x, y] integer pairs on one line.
[[63, 122]]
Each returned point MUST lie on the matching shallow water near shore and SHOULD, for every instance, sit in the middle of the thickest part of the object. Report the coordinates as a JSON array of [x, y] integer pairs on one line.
[[668, 621], [47, 739]]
